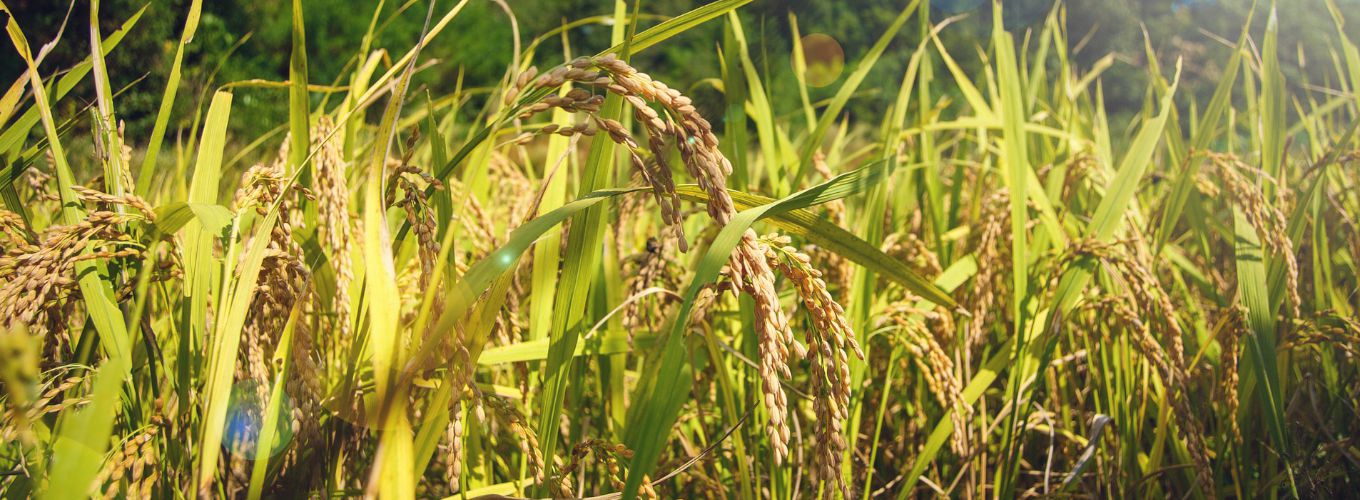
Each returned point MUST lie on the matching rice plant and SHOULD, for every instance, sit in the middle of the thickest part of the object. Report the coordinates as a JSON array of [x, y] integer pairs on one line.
[[571, 283]]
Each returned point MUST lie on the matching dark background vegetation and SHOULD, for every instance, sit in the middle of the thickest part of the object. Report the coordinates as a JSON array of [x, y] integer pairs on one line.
[[243, 39]]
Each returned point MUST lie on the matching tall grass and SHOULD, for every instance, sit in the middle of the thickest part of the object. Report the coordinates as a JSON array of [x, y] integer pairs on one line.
[[984, 292]]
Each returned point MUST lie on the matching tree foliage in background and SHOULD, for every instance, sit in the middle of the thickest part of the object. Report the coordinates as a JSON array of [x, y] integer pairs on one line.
[[478, 44]]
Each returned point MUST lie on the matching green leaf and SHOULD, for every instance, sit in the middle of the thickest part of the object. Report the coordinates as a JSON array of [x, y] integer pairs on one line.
[[153, 147], [264, 443], [83, 439], [395, 455], [97, 293], [579, 265], [106, 122], [1015, 157], [847, 90], [1208, 129], [298, 120], [1254, 294], [675, 26], [171, 217], [225, 345], [15, 133], [201, 266], [823, 233]]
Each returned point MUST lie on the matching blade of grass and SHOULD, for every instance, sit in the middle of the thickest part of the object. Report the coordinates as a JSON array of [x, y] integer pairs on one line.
[[299, 124], [167, 105], [1203, 135], [395, 457], [201, 267], [760, 110], [1273, 101], [818, 231], [264, 442], [225, 344], [106, 122], [83, 437], [1016, 160], [97, 293], [1254, 295], [672, 27], [846, 90], [16, 132], [578, 268]]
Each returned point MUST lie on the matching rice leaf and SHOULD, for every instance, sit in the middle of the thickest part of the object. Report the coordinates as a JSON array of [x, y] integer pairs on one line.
[[674, 26], [167, 104], [299, 124], [97, 293], [818, 231], [225, 343], [847, 89], [83, 436]]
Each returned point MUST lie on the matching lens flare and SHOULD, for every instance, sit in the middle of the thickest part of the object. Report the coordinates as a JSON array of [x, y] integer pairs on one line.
[[245, 420], [824, 59]]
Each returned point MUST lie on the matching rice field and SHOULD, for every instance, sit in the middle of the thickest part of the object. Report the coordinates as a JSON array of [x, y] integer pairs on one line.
[[572, 283]]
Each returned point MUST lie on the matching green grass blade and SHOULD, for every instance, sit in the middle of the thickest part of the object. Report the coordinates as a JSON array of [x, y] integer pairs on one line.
[[818, 231], [548, 254], [153, 147], [264, 442], [675, 26], [579, 267], [83, 437], [1254, 295], [298, 105], [1016, 161], [106, 122], [847, 89], [225, 344], [98, 294], [201, 267], [1205, 133], [760, 110], [13, 134], [1274, 98], [396, 454]]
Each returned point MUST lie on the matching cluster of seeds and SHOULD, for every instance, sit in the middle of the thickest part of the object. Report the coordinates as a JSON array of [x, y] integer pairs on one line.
[[579, 129], [991, 254], [1331, 329], [653, 269], [453, 437], [36, 279], [133, 464], [333, 223], [505, 414], [419, 215], [678, 119], [24, 404], [1142, 296], [608, 455], [284, 283], [575, 100], [1230, 355], [935, 365], [829, 343], [1266, 218]]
